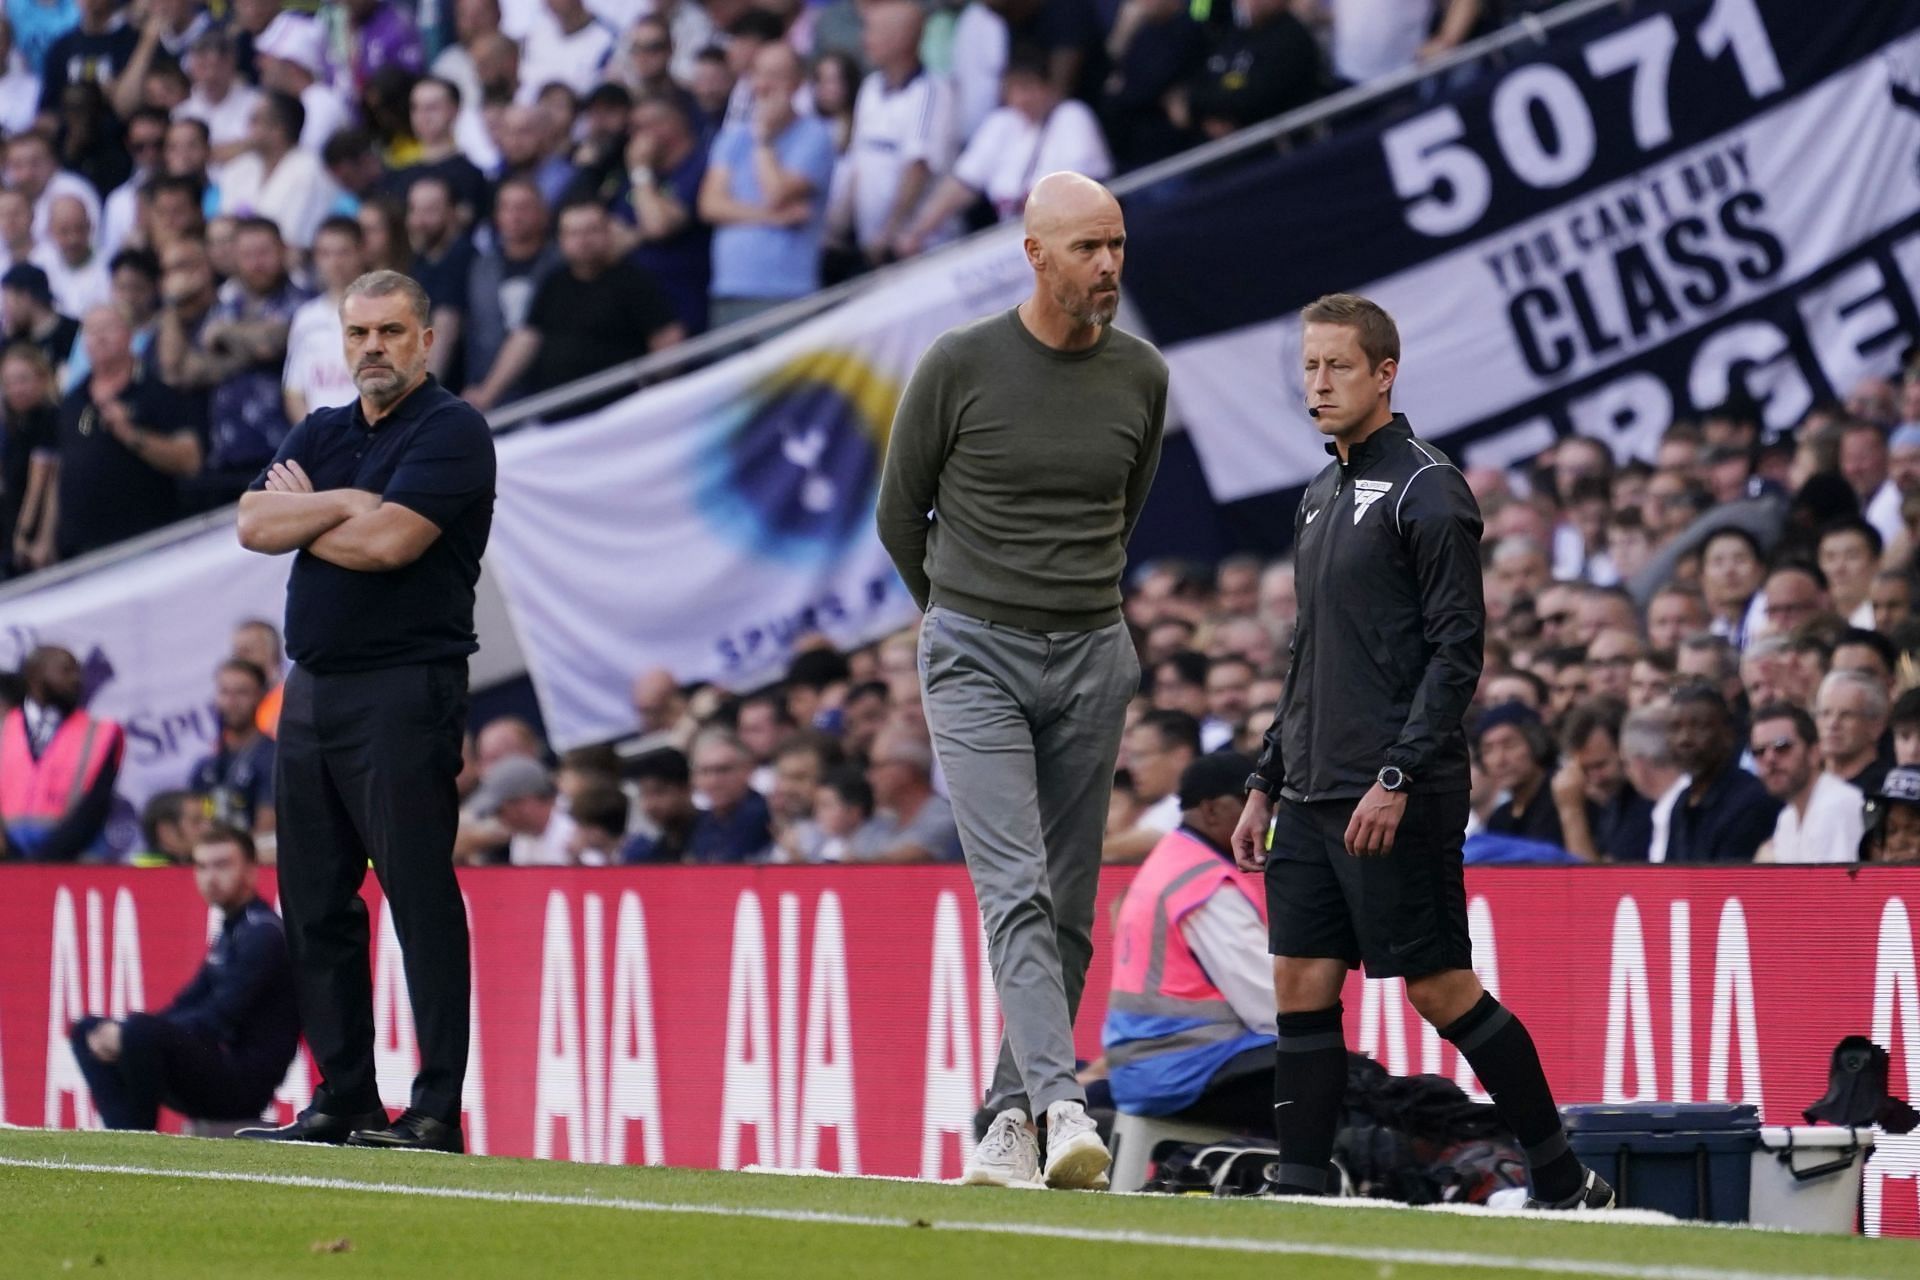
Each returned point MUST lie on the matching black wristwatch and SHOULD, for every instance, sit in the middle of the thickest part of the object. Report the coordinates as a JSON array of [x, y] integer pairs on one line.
[[1391, 778], [1265, 786]]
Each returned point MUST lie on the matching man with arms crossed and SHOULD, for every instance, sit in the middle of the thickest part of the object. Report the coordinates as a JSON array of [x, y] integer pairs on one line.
[[1031, 437], [388, 502], [1367, 762]]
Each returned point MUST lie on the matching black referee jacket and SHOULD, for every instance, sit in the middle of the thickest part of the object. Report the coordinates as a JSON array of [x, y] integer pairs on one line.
[[1387, 650]]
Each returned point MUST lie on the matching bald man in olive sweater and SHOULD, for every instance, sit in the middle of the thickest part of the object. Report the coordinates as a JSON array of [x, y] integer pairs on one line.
[[1021, 456]]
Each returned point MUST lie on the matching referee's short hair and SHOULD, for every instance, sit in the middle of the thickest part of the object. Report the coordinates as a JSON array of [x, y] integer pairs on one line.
[[1379, 336]]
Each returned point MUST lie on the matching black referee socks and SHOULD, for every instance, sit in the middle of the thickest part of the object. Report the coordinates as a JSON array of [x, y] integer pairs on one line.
[[1497, 1046], [1309, 1081]]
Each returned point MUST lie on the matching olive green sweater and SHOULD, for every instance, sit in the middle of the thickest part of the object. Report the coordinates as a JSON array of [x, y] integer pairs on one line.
[[1015, 473]]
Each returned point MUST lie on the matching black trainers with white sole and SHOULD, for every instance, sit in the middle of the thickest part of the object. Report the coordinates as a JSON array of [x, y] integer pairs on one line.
[[1594, 1194]]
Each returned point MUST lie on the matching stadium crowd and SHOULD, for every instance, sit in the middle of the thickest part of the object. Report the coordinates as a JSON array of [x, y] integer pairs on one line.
[[1700, 654], [1705, 655], [188, 187]]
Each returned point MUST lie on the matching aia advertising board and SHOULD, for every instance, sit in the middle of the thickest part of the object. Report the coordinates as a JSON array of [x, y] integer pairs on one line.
[[842, 1018]]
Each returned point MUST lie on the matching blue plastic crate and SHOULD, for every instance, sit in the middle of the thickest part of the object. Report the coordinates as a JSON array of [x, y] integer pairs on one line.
[[1692, 1160]]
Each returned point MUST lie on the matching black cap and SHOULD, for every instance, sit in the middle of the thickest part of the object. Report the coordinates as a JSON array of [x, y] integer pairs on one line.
[[30, 280], [1902, 785], [1224, 773]]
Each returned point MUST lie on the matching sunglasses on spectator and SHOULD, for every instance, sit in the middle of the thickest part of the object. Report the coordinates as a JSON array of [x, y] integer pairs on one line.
[[1556, 619], [1762, 750]]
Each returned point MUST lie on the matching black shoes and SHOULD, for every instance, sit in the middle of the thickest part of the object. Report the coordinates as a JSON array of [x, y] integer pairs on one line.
[[317, 1126], [1594, 1193], [413, 1131]]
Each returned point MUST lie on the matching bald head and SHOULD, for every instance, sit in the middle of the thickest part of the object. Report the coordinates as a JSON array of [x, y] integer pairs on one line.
[[1075, 242], [890, 34], [1064, 200]]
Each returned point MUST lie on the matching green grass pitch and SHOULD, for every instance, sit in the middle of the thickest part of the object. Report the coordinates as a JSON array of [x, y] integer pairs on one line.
[[141, 1205]]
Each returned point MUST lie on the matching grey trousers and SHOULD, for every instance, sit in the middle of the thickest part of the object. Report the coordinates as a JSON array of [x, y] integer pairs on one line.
[[1027, 726]]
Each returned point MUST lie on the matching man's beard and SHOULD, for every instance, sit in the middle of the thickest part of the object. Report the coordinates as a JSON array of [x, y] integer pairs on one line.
[[1091, 309], [385, 393]]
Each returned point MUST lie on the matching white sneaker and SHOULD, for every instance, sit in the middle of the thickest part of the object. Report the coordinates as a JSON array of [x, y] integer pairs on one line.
[[1009, 1156], [1076, 1158]]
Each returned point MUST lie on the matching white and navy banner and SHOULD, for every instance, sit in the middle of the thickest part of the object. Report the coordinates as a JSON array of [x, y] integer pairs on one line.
[[1684, 199], [707, 524]]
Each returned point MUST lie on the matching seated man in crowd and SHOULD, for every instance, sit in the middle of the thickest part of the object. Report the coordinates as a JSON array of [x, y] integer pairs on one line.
[[599, 814], [666, 799], [1725, 815], [1158, 750], [58, 765], [1851, 712], [520, 794], [1192, 934], [170, 825], [912, 823], [799, 765], [736, 825], [237, 779], [1602, 817], [1513, 746], [842, 811], [1821, 817], [222, 1046]]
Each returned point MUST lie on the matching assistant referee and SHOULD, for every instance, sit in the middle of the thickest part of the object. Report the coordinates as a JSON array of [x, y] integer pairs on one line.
[[388, 502], [1364, 776]]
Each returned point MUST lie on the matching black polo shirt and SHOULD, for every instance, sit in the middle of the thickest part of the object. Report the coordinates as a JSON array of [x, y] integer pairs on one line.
[[1734, 818], [433, 455], [1623, 828], [107, 492], [1540, 820]]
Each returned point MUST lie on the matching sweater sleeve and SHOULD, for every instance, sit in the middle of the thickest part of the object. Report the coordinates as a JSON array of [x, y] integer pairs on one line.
[[917, 448], [1140, 482]]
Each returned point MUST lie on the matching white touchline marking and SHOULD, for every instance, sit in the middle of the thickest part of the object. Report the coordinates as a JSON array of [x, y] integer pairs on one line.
[[1090, 1235]]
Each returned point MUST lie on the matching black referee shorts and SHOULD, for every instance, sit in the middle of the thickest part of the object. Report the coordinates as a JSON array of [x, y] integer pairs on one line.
[[1404, 913]]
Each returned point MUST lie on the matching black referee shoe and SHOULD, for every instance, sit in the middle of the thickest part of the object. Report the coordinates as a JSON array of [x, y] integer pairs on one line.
[[316, 1126], [1594, 1194], [413, 1131]]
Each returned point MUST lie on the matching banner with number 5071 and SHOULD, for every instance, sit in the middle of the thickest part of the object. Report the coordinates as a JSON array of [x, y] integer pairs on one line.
[[1675, 202]]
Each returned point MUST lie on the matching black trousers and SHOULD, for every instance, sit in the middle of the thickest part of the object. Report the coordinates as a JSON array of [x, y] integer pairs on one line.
[[365, 773], [163, 1063]]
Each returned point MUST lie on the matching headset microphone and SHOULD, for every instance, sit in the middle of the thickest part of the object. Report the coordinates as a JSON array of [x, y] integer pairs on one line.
[[1312, 412]]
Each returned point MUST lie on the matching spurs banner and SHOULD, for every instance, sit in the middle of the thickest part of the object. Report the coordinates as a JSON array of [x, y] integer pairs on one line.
[[842, 1018], [1685, 199], [705, 525]]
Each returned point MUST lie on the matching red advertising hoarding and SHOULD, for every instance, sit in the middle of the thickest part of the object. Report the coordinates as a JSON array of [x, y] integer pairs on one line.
[[841, 1018]]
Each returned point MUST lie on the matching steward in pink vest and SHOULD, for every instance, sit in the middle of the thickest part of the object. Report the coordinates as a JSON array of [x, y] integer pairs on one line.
[[57, 765], [1170, 1026]]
